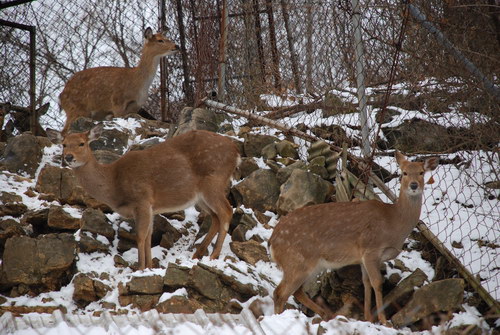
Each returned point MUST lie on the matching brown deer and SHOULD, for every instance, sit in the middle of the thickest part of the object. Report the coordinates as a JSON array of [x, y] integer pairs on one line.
[[116, 90], [194, 168], [333, 235]]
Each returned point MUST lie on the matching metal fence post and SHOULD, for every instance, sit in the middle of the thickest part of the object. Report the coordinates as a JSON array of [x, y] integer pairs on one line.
[[360, 78]]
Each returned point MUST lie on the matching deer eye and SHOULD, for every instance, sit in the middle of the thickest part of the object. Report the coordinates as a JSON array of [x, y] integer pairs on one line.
[[422, 173], [64, 145], [405, 174], [81, 144]]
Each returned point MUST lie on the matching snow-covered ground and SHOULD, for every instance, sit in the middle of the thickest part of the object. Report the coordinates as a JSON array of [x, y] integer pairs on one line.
[[444, 212]]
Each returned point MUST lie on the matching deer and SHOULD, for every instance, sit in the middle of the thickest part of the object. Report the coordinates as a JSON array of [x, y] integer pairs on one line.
[[116, 90], [333, 235], [194, 168]]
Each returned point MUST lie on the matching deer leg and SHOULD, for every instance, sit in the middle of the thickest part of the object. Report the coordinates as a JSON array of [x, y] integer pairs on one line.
[[202, 248], [304, 299], [147, 246], [224, 217], [143, 221], [368, 294], [372, 267]]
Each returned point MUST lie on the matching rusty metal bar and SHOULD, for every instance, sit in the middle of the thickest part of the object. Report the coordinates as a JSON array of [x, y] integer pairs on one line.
[[32, 66], [291, 46]]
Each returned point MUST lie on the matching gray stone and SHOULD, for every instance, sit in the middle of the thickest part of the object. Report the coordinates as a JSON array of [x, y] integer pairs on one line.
[[249, 251], [22, 154], [406, 287], [176, 276], [46, 260], [196, 119], [444, 295], [94, 221], [145, 285], [287, 149], [269, 151], [243, 222], [112, 140], [11, 204], [247, 166], [60, 219], [302, 189], [206, 283], [258, 191], [254, 144], [284, 173]]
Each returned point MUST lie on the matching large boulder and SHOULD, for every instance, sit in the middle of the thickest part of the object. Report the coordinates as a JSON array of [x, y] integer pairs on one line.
[[303, 189], [443, 295], [254, 144], [23, 154], [196, 119], [44, 261], [258, 191]]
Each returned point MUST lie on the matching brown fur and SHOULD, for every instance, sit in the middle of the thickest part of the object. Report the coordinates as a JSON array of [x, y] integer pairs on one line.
[[334, 235], [116, 90], [192, 168]]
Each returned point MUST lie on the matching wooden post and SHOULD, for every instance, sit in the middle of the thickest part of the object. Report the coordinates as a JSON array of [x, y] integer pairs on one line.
[[182, 37], [274, 47], [291, 47]]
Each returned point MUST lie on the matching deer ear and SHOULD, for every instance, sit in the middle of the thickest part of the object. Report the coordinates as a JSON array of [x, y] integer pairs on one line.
[[400, 158], [95, 132], [431, 163], [54, 136], [148, 33]]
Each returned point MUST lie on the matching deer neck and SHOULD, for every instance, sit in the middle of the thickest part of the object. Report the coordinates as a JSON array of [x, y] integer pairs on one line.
[[96, 180], [407, 210], [147, 67]]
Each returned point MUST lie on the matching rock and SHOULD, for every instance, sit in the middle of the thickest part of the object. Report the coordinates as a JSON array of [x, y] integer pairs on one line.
[[176, 276], [22, 154], [60, 219], [46, 260], [196, 119], [89, 244], [88, 289], [416, 135], [10, 228], [144, 302], [11, 204], [406, 287], [112, 140], [94, 221], [105, 156], [287, 149], [443, 295], [168, 234], [179, 304], [245, 290], [36, 218], [254, 144], [243, 223], [206, 283], [258, 191], [144, 285], [247, 166], [284, 173], [302, 189], [269, 151], [249, 251], [61, 183]]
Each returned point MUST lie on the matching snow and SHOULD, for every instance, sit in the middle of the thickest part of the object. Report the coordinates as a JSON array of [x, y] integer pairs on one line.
[[447, 210]]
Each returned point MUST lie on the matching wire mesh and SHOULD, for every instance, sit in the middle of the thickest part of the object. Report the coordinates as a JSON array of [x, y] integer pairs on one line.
[[295, 61]]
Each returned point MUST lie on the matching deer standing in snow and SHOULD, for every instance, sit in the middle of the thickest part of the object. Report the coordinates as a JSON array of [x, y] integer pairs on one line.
[[333, 235], [116, 90], [194, 168]]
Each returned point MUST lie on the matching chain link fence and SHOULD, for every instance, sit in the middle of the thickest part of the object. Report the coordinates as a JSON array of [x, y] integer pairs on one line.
[[295, 61]]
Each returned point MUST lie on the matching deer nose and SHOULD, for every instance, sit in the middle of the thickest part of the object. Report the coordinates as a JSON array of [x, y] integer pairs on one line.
[[414, 185], [68, 158]]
